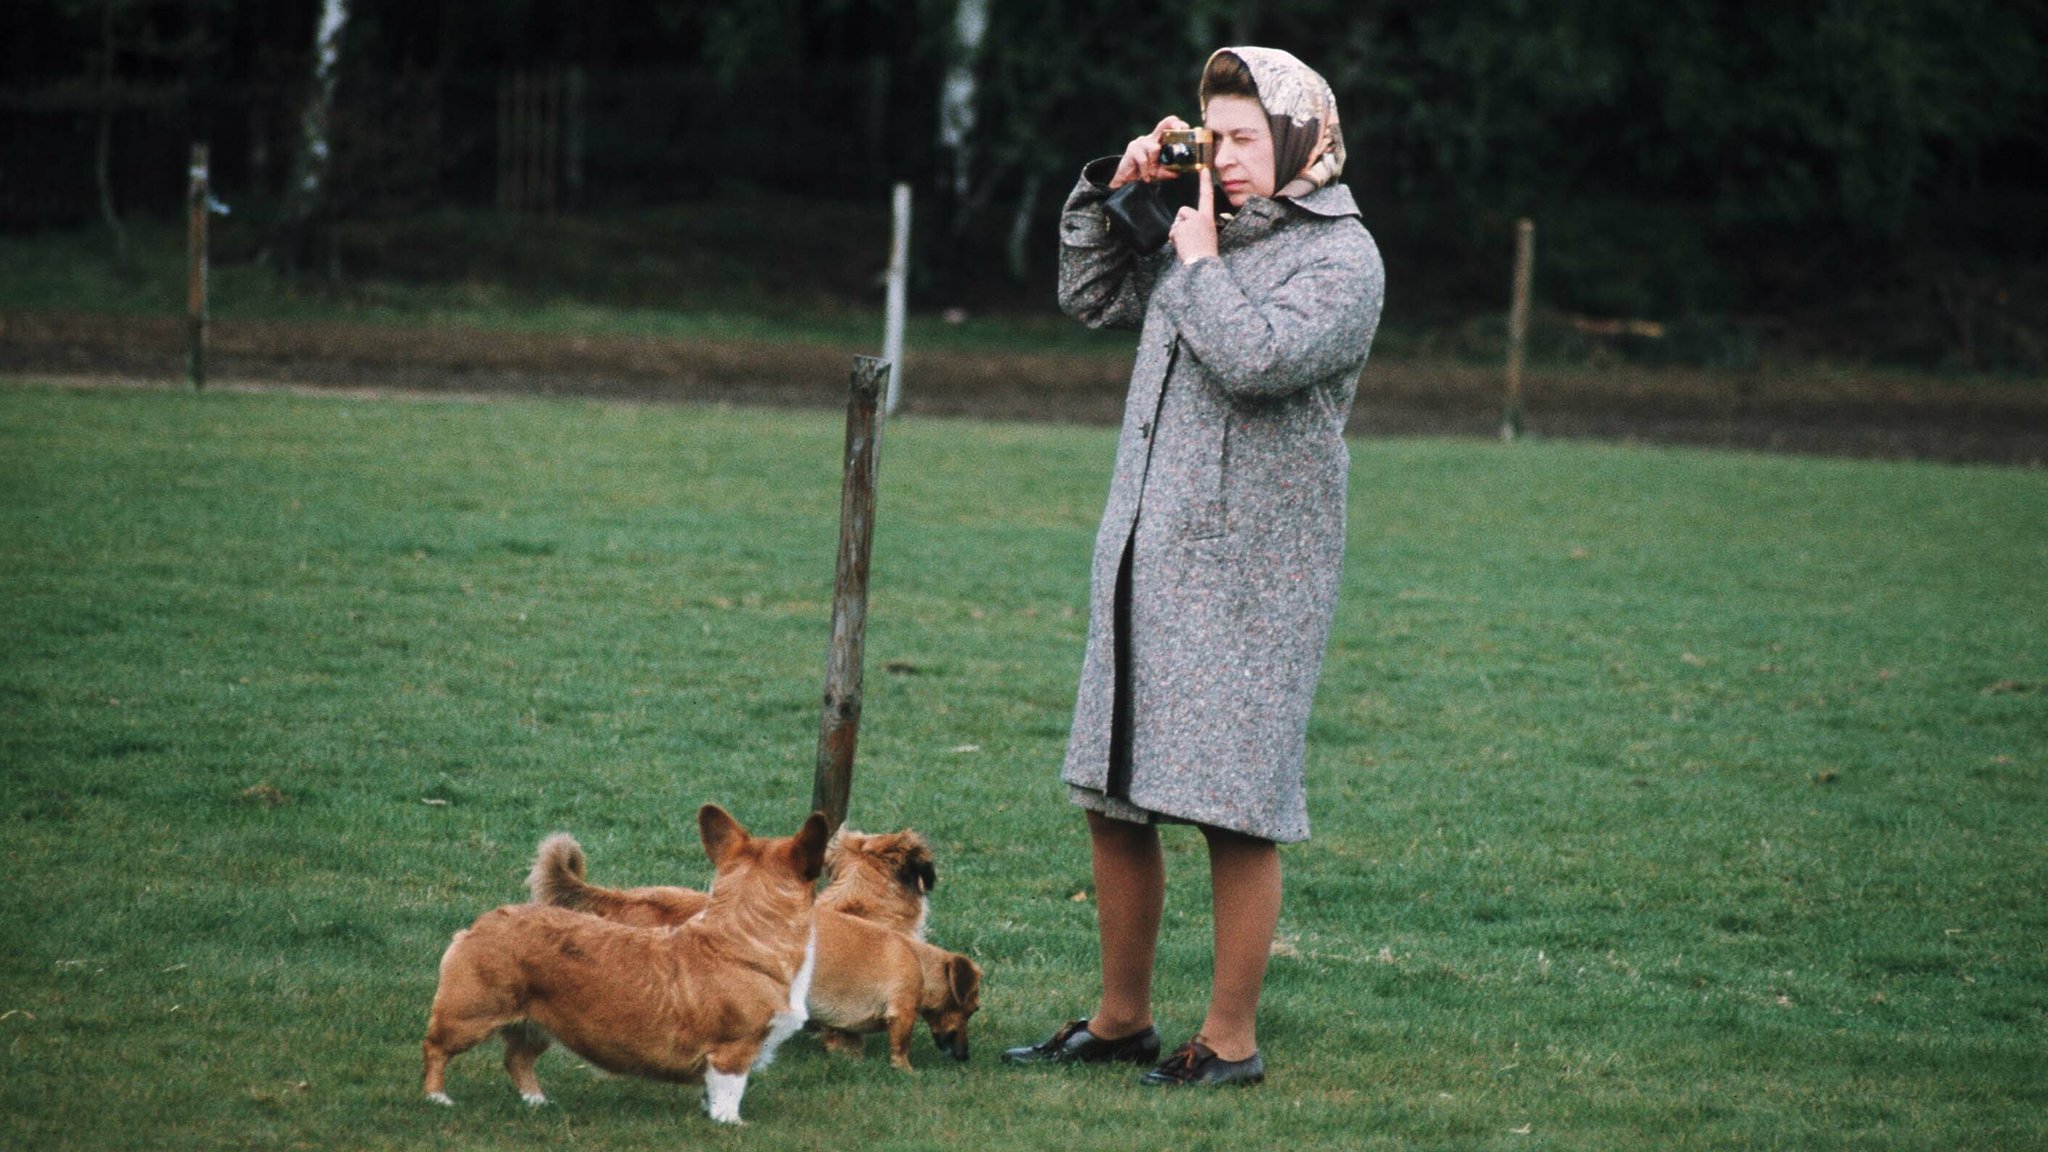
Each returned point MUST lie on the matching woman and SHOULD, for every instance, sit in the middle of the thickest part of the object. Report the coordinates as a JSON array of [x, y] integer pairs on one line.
[[1216, 565]]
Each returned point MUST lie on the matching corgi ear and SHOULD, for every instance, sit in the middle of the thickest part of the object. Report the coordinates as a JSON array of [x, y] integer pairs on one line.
[[964, 978], [917, 874], [720, 831], [807, 849]]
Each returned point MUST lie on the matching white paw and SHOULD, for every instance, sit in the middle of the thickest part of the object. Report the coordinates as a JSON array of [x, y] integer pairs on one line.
[[722, 1095], [781, 1028], [440, 1098], [534, 1099]]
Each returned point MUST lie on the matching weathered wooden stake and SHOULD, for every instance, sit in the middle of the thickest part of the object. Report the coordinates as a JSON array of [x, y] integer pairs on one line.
[[197, 198], [1518, 325], [840, 729]]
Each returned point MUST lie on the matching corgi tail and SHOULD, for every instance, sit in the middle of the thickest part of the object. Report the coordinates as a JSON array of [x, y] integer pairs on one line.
[[557, 876]]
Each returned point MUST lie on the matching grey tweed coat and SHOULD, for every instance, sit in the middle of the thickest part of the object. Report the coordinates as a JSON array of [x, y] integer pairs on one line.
[[1228, 494]]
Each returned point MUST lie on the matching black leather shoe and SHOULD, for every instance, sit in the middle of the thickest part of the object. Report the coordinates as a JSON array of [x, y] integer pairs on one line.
[[1075, 1044], [1195, 1063]]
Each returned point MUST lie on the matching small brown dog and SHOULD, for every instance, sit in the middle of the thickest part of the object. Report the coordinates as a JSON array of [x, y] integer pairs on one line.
[[884, 878], [871, 978], [710, 998], [874, 974]]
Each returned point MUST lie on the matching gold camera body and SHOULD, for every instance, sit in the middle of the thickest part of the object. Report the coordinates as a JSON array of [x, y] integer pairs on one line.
[[1185, 150]]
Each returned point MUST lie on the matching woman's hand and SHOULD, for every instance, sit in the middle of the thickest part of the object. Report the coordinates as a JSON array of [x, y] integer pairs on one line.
[[1141, 157], [1194, 229]]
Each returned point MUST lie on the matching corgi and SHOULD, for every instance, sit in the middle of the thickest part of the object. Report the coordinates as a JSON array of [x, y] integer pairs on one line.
[[708, 999], [885, 878], [871, 976]]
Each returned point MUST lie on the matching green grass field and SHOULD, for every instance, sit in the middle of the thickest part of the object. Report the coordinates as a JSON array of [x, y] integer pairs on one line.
[[1662, 799]]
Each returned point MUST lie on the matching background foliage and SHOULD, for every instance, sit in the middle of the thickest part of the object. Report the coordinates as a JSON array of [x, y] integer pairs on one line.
[[1862, 177]]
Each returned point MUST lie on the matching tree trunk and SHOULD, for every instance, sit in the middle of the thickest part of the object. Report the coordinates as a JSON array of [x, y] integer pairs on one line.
[[305, 197], [103, 153], [1020, 227], [959, 113], [1240, 19], [958, 107]]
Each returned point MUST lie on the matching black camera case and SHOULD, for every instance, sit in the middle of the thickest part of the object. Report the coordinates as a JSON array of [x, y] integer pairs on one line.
[[1140, 215]]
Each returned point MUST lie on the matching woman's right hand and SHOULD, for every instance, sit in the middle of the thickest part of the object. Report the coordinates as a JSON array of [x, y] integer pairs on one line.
[[1141, 157]]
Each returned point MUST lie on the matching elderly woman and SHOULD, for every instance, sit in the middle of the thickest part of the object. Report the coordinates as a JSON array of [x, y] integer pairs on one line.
[[1217, 562]]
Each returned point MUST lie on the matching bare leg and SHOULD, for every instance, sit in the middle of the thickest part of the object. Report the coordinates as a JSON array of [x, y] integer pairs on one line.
[[1244, 874], [1130, 897]]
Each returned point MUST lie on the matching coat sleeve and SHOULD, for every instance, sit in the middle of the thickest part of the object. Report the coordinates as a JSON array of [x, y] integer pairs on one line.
[[1318, 321], [1103, 284]]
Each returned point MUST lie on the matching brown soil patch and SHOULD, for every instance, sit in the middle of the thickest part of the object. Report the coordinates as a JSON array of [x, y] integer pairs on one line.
[[1821, 413]]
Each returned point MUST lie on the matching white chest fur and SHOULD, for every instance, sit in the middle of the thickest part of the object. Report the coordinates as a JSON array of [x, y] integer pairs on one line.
[[788, 1022]]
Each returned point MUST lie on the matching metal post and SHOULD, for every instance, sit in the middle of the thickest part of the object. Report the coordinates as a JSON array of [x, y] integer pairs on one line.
[[832, 784], [1518, 326], [197, 198], [899, 275]]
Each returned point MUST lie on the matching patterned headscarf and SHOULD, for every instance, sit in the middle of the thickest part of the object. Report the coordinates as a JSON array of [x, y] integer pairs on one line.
[[1308, 146]]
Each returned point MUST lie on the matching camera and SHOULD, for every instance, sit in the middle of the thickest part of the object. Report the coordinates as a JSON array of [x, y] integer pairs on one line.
[[1185, 150]]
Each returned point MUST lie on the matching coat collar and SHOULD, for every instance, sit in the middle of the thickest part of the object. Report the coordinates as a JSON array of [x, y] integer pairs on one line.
[[1261, 215], [1331, 200]]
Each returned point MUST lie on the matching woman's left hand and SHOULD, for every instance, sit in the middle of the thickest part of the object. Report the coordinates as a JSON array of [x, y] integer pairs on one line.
[[1194, 229]]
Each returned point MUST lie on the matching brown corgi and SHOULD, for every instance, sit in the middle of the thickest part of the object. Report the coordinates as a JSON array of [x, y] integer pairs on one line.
[[871, 976], [707, 999], [883, 878]]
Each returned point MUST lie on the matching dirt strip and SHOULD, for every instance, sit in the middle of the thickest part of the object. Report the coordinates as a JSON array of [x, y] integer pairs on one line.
[[1823, 413]]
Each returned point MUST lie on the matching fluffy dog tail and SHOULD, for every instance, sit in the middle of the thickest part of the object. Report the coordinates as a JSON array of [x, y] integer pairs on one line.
[[557, 876]]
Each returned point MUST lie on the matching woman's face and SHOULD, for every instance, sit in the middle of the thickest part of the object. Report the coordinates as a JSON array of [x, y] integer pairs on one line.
[[1244, 147]]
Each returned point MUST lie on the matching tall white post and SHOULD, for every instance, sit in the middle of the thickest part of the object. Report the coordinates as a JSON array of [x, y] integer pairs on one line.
[[899, 275], [1518, 325]]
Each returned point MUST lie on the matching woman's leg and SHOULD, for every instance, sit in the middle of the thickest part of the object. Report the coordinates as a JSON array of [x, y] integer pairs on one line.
[[1130, 895], [1244, 874]]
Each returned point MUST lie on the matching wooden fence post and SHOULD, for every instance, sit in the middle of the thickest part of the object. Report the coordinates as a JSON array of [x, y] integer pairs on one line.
[[1518, 326], [197, 199], [530, 141], [839, 731]]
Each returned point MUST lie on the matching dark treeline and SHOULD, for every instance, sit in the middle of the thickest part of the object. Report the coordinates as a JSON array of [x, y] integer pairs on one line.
[[1868, 169]]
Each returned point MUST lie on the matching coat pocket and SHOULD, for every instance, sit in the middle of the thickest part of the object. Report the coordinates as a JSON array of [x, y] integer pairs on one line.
[[1208, 511], [1325, 407], [1082, 228]]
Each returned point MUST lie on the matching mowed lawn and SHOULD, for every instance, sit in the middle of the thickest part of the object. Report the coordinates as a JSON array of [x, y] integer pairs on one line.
[[1662, 799]]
